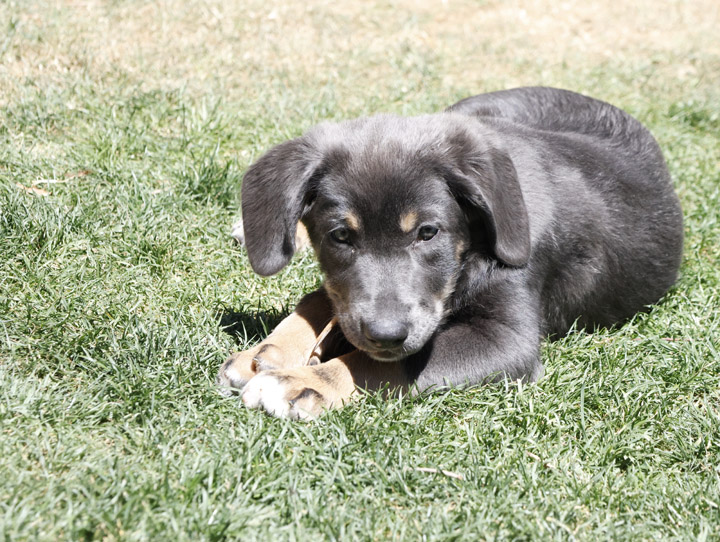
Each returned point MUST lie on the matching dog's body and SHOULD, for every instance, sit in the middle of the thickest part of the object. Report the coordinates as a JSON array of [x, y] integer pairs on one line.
[[451, 243]]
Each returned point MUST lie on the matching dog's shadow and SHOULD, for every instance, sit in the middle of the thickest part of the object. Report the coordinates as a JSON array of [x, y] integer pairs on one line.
[[246, 326]]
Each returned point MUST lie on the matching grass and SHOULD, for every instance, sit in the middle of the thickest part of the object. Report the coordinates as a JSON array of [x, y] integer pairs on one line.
[[125, 129]]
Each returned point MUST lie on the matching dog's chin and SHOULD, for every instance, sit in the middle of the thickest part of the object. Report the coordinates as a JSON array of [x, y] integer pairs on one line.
[[386, 356], [390, 356]]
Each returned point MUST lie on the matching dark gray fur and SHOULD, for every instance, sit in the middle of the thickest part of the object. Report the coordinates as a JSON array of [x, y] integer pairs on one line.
[[552, 208]]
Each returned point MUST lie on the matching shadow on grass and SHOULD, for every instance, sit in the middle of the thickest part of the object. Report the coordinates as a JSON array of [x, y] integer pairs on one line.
[[244, 326], [247, 327]]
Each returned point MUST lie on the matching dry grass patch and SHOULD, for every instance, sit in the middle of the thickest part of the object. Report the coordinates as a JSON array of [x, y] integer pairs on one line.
[[239, 48]]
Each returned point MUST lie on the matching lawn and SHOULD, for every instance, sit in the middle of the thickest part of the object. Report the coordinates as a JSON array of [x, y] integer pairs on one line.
[[125, 129]]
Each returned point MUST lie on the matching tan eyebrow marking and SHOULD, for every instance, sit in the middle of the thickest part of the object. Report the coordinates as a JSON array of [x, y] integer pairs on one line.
[[353, 221], [408, 221], [460, 250]]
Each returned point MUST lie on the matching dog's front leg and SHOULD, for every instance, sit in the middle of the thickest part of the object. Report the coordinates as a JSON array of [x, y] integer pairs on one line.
[[289, 345], [480, 349], [304, 392], [501, 342], [470, 353]]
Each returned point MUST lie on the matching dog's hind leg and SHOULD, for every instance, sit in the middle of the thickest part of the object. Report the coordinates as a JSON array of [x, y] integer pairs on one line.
[[291, 344]]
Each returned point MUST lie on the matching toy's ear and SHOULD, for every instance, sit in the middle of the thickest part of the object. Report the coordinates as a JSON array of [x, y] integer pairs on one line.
[[275, 192], [485, 183]]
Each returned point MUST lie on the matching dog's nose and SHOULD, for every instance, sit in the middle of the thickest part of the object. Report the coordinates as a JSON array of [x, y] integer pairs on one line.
[[387, 333]]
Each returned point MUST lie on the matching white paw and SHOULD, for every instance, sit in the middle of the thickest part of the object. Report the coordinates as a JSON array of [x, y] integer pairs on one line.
[[266, 391], [276, 395], [238, 232], [230, 381]]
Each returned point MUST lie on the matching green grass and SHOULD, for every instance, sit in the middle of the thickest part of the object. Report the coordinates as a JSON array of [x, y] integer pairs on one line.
[[121, 293]]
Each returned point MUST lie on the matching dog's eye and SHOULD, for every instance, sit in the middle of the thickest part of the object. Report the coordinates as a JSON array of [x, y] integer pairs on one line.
[[425, 233], [341, 235]]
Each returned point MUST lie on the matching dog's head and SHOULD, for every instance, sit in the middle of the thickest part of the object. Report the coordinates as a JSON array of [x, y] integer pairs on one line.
[[393, 207]]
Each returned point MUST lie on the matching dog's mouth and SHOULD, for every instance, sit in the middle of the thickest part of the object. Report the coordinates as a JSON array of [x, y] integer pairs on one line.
[[332, 342], [416, 339], [389, 355], [384, 352], [386, 355]]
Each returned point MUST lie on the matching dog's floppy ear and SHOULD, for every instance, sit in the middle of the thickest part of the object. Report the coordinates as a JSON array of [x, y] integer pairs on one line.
[[486, 185], [275, 192]]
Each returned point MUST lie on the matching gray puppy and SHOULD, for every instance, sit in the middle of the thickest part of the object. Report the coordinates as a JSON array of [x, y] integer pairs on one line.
[[451, 243]]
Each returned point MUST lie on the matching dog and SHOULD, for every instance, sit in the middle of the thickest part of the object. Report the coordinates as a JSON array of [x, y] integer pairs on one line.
[[452, 243]]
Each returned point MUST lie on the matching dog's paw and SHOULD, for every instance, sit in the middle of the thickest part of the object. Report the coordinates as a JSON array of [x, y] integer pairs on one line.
[[236, 372], [238, 232], [243, 366], [286, 394]]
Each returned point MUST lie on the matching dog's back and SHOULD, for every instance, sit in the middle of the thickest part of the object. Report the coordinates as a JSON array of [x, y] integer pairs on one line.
[[602, 278]]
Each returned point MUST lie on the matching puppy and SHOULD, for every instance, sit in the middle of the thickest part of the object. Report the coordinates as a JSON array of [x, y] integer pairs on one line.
[[452, 243]]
